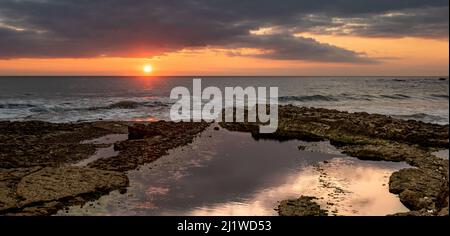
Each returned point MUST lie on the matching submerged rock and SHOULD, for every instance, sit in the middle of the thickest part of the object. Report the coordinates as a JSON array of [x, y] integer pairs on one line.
[[303, 206]]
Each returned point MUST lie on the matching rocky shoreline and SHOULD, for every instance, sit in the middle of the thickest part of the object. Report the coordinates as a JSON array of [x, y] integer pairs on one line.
[[38, 175], [37, 172], [423, 189]]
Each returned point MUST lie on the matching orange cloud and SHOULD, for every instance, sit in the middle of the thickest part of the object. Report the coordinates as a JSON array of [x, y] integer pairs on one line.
[[405, 56]]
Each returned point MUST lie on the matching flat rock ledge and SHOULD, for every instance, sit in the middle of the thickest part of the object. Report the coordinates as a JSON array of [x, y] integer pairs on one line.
[[37, 175], [148, 142], [302, 206], [423, 189], [43, 191]]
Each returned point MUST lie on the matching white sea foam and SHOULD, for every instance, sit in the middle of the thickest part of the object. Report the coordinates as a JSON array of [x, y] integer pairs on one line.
[[68, 99]]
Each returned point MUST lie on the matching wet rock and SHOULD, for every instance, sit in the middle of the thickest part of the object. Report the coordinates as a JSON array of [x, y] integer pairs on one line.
[[443, 196], [443, 212], [421, 189], [148, 142], [43, 191], [36, 143], [345, 128], [141, 131], [422, 212], [9, 178], [303, 206], [49, 184], [387, 151], [36, 175], [35, 155]]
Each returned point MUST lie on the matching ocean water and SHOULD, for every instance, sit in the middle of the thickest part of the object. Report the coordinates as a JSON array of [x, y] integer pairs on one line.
[[72, 99]]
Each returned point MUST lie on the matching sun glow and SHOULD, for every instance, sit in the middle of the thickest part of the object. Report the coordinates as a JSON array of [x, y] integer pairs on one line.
[[147, 68]]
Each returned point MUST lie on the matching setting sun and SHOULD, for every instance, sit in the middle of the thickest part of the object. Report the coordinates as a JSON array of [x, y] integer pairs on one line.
[[147, 68]]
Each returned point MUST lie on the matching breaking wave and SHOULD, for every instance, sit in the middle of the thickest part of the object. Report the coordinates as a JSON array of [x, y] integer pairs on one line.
[[307, 98], [423, 117], [445, 96], [126, 104], [395, 96], [16, 105]]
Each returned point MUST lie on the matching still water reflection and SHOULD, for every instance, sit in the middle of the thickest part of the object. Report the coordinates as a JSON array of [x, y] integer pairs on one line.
[[229, 173]]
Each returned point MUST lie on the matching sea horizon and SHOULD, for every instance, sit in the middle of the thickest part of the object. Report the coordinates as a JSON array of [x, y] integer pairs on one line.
[[195, 76]]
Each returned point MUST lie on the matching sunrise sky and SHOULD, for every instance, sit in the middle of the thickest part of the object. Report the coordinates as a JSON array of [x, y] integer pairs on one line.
[[201, 37]]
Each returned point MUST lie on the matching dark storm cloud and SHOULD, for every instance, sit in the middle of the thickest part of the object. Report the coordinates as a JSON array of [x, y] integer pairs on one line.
[[284, 46], [64, 28], [429, 22]]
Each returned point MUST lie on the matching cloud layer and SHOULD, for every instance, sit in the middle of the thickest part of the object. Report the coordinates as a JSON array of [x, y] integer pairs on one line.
[[84, 28]]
